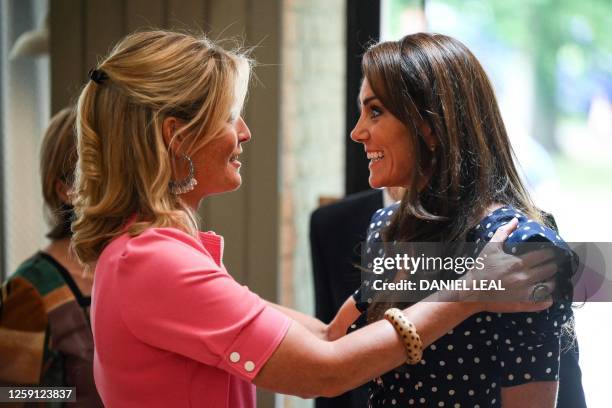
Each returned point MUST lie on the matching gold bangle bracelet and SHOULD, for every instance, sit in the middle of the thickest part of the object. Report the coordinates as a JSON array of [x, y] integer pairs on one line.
[[408, 334]]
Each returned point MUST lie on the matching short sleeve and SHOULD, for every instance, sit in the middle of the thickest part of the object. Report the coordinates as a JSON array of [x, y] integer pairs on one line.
[[177, 298]]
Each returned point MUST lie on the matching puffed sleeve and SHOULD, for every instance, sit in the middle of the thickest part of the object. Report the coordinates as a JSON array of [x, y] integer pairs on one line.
[[177, 298], [529, 343]]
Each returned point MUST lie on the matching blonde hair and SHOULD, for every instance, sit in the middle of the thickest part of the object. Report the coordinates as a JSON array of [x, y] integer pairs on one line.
[[124, 166], [58, 159]]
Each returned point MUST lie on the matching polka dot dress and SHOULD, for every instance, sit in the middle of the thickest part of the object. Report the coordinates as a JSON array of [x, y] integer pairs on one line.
[[470, 364]]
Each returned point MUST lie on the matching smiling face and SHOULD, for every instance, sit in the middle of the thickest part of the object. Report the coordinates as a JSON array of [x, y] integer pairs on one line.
[[217, 168], [386, 141]]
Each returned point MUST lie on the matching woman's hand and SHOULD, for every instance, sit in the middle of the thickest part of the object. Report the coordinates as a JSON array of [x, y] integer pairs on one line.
[[519, 276]]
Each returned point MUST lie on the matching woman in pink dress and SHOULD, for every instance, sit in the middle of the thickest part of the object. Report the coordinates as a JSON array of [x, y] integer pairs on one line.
[[159, 130]]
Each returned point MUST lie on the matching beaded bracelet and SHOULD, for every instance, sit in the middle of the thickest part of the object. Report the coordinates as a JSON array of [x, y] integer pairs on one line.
[[408, 334]]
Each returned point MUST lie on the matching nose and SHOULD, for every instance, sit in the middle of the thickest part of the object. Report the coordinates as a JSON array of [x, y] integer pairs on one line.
[[244, 133], [359, 133]]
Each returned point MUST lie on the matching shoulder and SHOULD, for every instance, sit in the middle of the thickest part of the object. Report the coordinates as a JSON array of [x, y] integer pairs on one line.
[[157, 251], [40, 273], [380, 220], [528, 230]]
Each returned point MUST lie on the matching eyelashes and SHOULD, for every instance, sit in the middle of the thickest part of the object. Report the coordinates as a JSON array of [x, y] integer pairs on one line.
[[375, 111]]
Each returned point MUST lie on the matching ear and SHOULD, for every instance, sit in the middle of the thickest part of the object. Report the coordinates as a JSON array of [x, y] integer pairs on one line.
[[62, 190], [429, 137], [169, 128]]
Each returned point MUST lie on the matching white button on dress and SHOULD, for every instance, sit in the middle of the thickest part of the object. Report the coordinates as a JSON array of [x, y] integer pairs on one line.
[[249, 366], [235, 357]]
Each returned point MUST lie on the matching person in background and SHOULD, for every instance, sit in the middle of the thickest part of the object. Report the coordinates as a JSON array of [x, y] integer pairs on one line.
[[46, 335]]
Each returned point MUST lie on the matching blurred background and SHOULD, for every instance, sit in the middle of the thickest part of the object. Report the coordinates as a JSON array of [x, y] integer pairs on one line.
[[550, 62]]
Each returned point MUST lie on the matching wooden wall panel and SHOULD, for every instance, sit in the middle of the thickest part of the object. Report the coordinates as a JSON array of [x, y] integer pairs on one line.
[[104, 26], [142, 14], [67, 59], [182, 14]]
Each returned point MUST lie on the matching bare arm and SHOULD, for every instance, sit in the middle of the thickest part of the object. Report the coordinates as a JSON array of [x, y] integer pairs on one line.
[[307, 366], [310, 323], [540, 394]]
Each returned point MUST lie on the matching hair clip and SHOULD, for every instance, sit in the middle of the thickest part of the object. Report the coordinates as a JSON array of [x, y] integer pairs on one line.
[[98, 76]]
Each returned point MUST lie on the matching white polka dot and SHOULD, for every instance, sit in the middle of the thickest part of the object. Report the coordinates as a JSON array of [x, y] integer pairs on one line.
[[390, 212], [441, 403], [478, 320], [518, 359], [407, 375], [533, 359], [549, 354], [442, 363], [527, 228], [434, 389], [529, 320], [488, 318], [393, 401], [465, 377], [470, 392], [527, 376], [483, 376], [449, 377], [422, 400], [469, 347], [401, 390], [490, 234], [488, 225], [396, 376], [372, 225], [379, 223], [460, 360], [457, 405], [476, 360], [493, 357], [493, 385], [511, 377], [495, 336], [433, 347], [493, 401], [411, 401], [488, 342], [467, 333], [450, 347], [451, 392]]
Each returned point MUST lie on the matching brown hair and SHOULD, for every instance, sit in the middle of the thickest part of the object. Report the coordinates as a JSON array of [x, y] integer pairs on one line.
[[57, 162], [434, 80], [124, 165]]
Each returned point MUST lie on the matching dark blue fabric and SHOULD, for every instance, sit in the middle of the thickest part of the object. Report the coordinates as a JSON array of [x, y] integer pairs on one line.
[[469, 365]]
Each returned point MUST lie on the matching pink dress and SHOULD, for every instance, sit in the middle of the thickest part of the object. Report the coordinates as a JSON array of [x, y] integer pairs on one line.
[[173, 329]]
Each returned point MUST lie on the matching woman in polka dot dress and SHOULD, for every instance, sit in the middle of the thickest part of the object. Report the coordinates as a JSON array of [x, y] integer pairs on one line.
[[429, 122]]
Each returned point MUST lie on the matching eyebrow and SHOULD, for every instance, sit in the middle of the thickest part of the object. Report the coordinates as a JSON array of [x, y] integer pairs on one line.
[[365, 101]]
